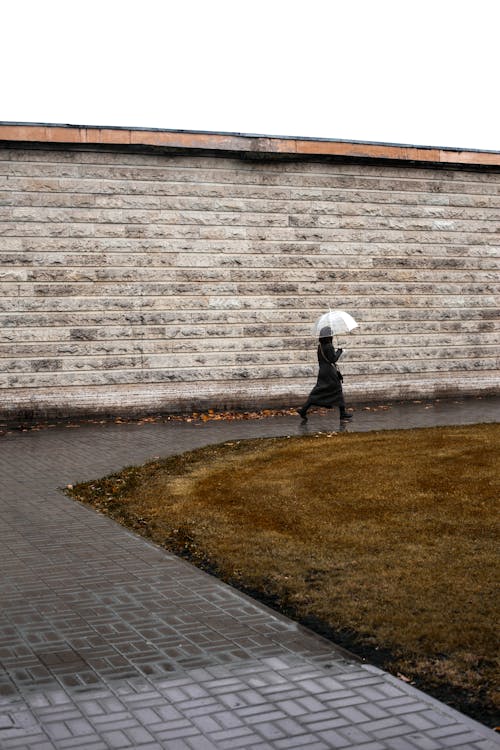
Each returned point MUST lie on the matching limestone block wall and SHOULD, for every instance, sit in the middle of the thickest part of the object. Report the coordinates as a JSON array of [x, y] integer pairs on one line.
[[134, 282]]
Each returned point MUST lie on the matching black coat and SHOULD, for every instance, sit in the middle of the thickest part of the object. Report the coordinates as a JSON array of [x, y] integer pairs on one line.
[[328, 389]]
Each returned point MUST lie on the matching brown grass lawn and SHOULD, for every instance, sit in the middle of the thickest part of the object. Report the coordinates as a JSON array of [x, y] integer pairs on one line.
[[385, 541]]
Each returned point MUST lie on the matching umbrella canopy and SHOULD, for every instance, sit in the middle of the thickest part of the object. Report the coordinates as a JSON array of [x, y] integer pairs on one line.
[[337, 321]]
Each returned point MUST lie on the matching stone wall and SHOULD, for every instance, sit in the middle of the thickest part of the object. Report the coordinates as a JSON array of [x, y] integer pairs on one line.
[[133, 282]]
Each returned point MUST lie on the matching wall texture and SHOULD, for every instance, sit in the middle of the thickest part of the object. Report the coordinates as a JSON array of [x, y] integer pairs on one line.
[[133, 282]]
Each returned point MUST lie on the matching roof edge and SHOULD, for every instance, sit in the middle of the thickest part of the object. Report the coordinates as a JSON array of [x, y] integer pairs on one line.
[[257, 145]]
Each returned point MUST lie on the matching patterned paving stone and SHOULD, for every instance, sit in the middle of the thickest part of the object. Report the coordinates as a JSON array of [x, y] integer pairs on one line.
[[107, 641]]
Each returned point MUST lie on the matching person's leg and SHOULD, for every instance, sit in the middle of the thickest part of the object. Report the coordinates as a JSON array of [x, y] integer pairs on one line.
[[344, 415], [302, 410]]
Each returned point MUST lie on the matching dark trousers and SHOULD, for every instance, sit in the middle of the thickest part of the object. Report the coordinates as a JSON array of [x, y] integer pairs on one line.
[[340, 403]]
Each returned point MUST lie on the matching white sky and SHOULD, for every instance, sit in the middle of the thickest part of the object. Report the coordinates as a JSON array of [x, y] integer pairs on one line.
[[403, 71]]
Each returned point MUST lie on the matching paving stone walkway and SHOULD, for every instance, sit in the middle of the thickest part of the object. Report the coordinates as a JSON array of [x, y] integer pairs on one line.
[[107, 641]]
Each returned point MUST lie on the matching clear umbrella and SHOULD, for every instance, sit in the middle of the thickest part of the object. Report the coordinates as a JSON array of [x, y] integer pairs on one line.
[[337, 321]]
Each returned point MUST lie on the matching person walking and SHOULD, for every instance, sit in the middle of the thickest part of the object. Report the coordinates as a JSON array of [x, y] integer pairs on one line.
[[328, 389]]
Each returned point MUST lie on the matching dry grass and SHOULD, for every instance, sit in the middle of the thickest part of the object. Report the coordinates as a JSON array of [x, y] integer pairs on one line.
[[387, 540]]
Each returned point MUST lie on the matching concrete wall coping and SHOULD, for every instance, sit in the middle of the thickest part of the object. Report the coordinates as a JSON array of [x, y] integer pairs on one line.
[[264, 146]]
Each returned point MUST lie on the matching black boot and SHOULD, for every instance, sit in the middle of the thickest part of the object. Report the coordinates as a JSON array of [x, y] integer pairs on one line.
[[302, 412], [345, 416]]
